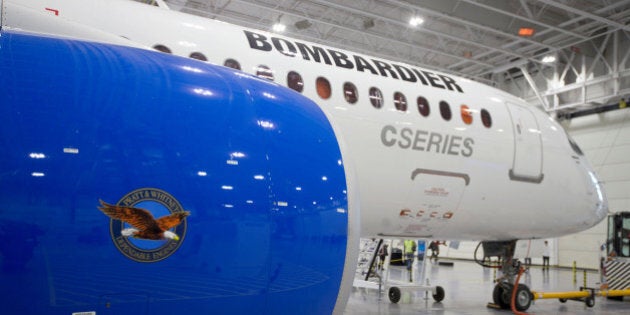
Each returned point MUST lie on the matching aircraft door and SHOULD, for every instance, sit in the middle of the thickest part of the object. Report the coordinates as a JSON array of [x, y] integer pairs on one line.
[[527, 163]]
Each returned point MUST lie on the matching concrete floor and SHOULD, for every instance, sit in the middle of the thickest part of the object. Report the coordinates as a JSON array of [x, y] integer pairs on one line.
[[468, 289]]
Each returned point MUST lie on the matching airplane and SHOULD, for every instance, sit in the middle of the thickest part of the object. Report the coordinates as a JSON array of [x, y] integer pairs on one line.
[[278, 194]]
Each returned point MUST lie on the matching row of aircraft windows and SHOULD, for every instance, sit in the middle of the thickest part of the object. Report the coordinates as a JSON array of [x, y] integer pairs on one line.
[[351, 95]]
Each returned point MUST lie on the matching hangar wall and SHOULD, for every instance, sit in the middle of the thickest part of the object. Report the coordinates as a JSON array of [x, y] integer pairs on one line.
[[605, 140]]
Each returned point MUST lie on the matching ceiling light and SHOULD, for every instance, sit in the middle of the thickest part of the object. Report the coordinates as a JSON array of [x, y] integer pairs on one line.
[[415, 21], [279, 27], [549, 59], [525, 31]]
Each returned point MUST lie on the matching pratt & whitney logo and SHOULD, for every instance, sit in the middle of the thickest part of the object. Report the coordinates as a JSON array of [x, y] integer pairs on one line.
[[147, 224]]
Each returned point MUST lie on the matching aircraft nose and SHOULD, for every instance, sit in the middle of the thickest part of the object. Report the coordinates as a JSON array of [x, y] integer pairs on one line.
[[600, 202]]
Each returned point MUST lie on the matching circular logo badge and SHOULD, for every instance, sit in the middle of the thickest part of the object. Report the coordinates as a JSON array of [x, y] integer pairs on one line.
[[147, 224]]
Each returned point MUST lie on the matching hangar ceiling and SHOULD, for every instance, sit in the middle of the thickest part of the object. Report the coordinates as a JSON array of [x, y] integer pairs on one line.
[[477, 39]]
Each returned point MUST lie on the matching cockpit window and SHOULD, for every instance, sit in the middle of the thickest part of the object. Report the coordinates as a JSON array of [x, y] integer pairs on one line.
[[150, 2], [575, 147], [376, 97]]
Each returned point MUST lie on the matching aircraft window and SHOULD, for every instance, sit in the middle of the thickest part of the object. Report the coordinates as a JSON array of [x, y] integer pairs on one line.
[[162, 48], [445, 110], [295, 82], [231, 63], [350, 92], [423, 106], [264, 72], [198, 56], [486, 119], [467, 117], [376, 97], [400, 102], [323, 88]]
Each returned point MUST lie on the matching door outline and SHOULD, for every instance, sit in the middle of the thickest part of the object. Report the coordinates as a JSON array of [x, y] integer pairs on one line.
[[527, 159]]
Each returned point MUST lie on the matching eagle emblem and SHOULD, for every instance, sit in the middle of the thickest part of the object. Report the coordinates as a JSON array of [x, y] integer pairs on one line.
[[147, 224], [144, 225]]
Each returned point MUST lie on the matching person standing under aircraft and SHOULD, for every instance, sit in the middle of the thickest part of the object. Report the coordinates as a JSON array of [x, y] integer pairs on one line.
[[546, 254], [410, 249], [434, 246], [382, 254]]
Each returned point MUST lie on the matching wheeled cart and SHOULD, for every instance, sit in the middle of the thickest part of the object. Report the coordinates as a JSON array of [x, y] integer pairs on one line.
[[372, 278], [394, 292]]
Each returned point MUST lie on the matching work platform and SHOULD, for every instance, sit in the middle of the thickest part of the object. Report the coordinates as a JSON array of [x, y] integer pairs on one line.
[[468, 289]]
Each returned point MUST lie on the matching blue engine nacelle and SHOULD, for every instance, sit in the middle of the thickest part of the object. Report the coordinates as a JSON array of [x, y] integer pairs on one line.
[[257, 167]]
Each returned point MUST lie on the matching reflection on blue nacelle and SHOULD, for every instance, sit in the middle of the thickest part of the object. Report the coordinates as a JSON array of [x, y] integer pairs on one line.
[[257, 166]]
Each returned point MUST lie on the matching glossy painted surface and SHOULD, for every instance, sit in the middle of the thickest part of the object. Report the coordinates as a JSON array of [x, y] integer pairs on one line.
[[517, 168], [258, 167]]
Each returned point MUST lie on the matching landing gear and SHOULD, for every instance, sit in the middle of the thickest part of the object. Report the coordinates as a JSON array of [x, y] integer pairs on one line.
[[511, 268], [523, 298]]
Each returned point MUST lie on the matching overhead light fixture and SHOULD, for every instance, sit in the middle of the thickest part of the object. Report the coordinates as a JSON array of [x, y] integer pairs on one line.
[[549, 59], [415, 21], [303, 24], [279, 27], [369, 23], [514, 64], [525, 31]]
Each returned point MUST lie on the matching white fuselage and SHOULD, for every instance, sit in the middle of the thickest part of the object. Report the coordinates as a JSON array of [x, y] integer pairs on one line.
[[416, 176]]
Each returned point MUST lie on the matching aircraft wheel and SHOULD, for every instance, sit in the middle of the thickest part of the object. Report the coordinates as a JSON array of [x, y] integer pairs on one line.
[[439, 294], [394, 294], [499, 297], [523, 298], [590, 301]]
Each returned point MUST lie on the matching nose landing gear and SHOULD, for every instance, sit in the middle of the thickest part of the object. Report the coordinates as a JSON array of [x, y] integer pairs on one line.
[[502, 296], [507, 292]]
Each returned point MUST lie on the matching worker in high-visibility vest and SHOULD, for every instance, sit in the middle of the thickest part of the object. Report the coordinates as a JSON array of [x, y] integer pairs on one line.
[[410, 249]]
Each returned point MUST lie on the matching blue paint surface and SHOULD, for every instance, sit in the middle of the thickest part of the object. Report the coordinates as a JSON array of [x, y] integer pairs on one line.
[[257, 166]]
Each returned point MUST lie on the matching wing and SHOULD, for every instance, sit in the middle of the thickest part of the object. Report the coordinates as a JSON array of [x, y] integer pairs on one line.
[[168, 221], [139, 218]]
